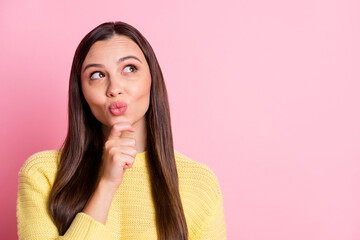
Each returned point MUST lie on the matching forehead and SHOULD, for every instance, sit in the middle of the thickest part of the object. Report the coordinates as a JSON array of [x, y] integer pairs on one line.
[[112, 49]]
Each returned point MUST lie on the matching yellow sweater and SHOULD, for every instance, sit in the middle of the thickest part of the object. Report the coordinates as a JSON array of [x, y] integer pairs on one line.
[[132, 212]]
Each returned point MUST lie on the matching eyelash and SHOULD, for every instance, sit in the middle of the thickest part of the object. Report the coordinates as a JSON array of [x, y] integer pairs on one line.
[[130, 65], [133, 66]]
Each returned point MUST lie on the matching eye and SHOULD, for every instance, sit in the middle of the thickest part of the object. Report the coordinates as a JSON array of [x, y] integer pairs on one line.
[[96, 75], [130, 68]]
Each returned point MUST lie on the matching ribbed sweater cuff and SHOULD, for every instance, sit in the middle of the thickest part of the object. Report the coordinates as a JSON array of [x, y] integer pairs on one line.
[[85, 227]]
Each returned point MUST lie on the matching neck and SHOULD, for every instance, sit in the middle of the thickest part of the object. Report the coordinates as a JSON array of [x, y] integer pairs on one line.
[[140, 134]]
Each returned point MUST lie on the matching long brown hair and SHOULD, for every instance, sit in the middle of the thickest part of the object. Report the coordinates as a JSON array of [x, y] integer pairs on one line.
[[82, 150]]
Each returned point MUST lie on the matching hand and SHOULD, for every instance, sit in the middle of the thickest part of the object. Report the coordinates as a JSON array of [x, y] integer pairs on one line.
[[119, 154]]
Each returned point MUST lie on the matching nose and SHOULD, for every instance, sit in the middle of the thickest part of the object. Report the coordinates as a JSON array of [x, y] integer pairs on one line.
[[115, 87]]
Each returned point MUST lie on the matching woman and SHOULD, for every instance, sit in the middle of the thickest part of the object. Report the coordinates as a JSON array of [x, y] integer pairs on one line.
[[117, 175]]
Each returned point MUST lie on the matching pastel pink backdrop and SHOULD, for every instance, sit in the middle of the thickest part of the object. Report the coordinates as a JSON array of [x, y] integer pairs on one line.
[[266, 93]]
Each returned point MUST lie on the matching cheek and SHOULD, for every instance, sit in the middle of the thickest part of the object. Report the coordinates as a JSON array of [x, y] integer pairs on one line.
[[142, 96], [142, 88], [145, 91], [91, 96], [95, 102]]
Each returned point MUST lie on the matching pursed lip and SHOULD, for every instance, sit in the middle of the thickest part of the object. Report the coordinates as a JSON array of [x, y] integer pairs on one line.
[[118, 108]]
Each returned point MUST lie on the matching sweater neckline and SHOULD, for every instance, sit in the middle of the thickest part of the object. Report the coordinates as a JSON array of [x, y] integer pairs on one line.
[[140, 159]]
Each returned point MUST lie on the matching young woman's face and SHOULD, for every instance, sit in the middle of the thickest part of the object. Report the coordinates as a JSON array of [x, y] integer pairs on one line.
[[116, 80]]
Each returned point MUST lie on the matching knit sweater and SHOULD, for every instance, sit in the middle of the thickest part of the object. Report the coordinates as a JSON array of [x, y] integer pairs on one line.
[[132, 212]]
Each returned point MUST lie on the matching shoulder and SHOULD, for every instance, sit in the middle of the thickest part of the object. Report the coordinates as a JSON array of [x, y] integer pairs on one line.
[[197, 177], [199, 191], [41, 165]]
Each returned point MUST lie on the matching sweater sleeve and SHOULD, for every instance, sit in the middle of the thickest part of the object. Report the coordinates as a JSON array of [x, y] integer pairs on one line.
[[202, 200], [215, 227], [34, 221]]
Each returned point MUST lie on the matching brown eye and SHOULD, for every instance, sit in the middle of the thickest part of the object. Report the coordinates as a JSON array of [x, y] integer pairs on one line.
[[96, 75], [130, 68]]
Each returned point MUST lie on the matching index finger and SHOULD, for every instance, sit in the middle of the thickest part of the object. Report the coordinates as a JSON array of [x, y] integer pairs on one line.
[[118, 128]]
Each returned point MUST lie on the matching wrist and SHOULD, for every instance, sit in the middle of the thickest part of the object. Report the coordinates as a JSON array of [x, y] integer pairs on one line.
[[107, 187]]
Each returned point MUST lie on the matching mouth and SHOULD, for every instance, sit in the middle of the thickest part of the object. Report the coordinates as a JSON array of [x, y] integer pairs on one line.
[[118, 108]]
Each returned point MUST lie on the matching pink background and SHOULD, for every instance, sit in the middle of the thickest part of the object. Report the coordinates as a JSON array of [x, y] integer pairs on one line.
[[266, 93]]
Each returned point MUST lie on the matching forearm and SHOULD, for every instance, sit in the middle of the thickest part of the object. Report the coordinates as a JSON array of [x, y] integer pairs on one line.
[[99, 203]]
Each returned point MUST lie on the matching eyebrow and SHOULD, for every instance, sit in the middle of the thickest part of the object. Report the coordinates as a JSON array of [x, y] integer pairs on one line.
[[119, 61]]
